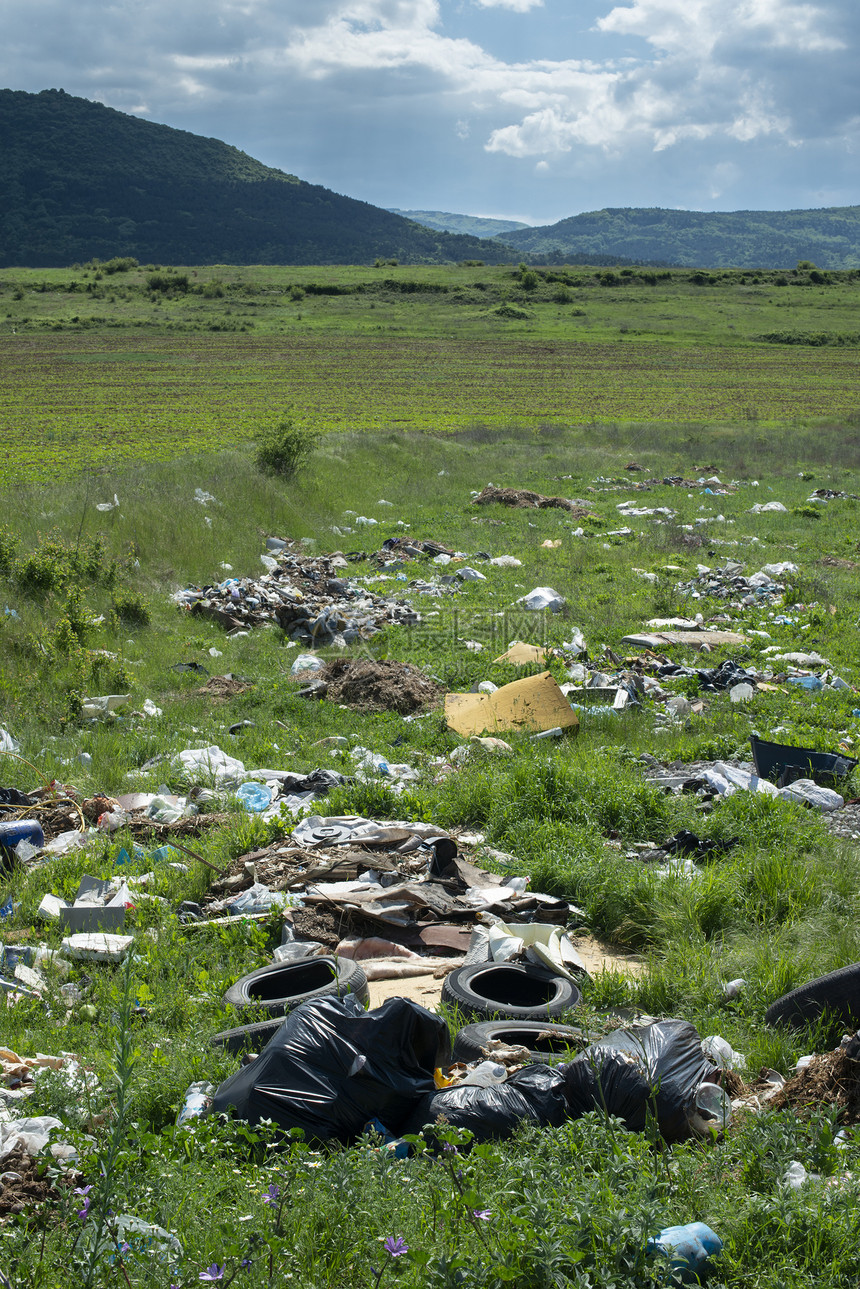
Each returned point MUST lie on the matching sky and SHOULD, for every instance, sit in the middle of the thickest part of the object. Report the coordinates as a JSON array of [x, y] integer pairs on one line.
[[519, 109]]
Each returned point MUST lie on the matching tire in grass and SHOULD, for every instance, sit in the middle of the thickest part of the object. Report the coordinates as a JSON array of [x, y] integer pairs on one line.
[[280, 986], [837, 993], [545, 1041], [247, 1038], [509, 991]]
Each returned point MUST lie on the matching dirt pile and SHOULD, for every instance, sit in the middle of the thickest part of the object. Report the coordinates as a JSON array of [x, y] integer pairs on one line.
[[831, 1079], [24, 1183], [530, 500], [385, 686]]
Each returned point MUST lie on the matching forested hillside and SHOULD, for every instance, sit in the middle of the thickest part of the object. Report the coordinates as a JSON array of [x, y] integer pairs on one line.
[[772, 239], [79, 180]]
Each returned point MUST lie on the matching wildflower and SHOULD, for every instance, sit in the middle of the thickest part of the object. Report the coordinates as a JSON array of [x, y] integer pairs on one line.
[[125, 1247], [395, 1246], [271, 1194], [482, 1214], [214, 1273]]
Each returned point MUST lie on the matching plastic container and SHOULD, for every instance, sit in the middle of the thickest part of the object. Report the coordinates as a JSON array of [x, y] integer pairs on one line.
[[197, 1101], [780, 759], [20, 830], [486, 1075], [688, 1247]]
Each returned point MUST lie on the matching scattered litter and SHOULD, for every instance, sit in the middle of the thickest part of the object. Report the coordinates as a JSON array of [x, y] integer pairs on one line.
[[543, 597]]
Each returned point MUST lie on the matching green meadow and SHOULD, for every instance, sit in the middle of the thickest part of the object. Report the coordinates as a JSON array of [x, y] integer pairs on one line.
[[428, 383]]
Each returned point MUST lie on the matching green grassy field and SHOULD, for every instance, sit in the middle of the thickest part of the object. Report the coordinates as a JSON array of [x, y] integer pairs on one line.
[[151, 414], [113, 370]]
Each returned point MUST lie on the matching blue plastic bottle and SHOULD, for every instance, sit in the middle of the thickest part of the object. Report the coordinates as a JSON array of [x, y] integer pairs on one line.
[[688, 1248]]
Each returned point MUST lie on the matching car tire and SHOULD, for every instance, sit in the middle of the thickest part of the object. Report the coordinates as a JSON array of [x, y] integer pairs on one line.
[[509, 991], [247, 1038], [837, 993], [546, 1043], [280, 986]]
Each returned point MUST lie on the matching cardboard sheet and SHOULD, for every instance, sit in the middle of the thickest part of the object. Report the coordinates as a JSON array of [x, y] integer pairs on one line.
[[658, 639], [521, 653], [535, 703]]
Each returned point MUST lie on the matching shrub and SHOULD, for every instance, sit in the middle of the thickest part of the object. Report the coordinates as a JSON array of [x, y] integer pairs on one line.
[[131, 609], [284, 449]]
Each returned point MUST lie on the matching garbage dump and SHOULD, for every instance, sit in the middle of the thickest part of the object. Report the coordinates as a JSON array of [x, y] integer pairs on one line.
[[305, 595]]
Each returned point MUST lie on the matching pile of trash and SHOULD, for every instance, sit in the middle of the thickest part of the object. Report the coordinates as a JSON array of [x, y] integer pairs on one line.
[[335, 1071], [728, 583], [304, 595], [405, 881]]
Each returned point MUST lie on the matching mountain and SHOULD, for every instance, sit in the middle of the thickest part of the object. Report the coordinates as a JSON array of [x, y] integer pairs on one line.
[[79, 180], [474, 225], [772, 239]]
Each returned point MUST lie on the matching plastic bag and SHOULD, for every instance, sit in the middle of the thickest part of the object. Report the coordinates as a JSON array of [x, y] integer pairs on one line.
[[332, 1066], [649, 1069], [534, 1094]]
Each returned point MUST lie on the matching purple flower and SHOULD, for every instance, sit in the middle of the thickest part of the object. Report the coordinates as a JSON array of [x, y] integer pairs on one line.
[[214, 1273], [271, 1194], [483, 1214], [395, 1246], [83, 1213], [125, 1247], [82, 1190]]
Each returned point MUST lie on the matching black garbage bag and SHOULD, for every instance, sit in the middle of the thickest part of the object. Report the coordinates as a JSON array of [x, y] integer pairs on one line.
[[332, 1067], [648, 1069], [535, 1094], [725, 676]]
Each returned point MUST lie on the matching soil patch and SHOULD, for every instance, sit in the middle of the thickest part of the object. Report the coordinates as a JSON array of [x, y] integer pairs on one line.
[[220, 687], [386, 686], [22, 1185], [521, 497], [831, 1079]]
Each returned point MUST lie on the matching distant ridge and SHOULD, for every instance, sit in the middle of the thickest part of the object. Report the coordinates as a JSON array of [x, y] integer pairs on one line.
[[474, 225], [768, 239], [83, 181]]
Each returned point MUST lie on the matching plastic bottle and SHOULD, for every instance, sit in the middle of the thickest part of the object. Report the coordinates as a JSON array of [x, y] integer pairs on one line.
[[688, 1247], [197, 1101], [486, 1075]]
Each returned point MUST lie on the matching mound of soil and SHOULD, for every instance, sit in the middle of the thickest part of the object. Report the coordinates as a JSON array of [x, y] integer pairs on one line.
[[372, 686], [224, 687], [530, 500], [22, 1186], [831, 1079]]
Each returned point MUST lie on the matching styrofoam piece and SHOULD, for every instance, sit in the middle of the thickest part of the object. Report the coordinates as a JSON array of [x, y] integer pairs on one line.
[[98, 945]]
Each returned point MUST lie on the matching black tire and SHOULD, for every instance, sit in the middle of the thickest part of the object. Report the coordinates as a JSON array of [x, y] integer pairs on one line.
[[280, 986], [837, 993], [546, 1042], [247, 1038], [509, 991]]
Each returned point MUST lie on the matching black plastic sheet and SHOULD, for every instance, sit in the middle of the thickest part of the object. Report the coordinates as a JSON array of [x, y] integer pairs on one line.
[[331, 1067]]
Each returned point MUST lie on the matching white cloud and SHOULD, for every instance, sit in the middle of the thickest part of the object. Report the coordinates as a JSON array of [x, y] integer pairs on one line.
[[517, 6], [462, 86]]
